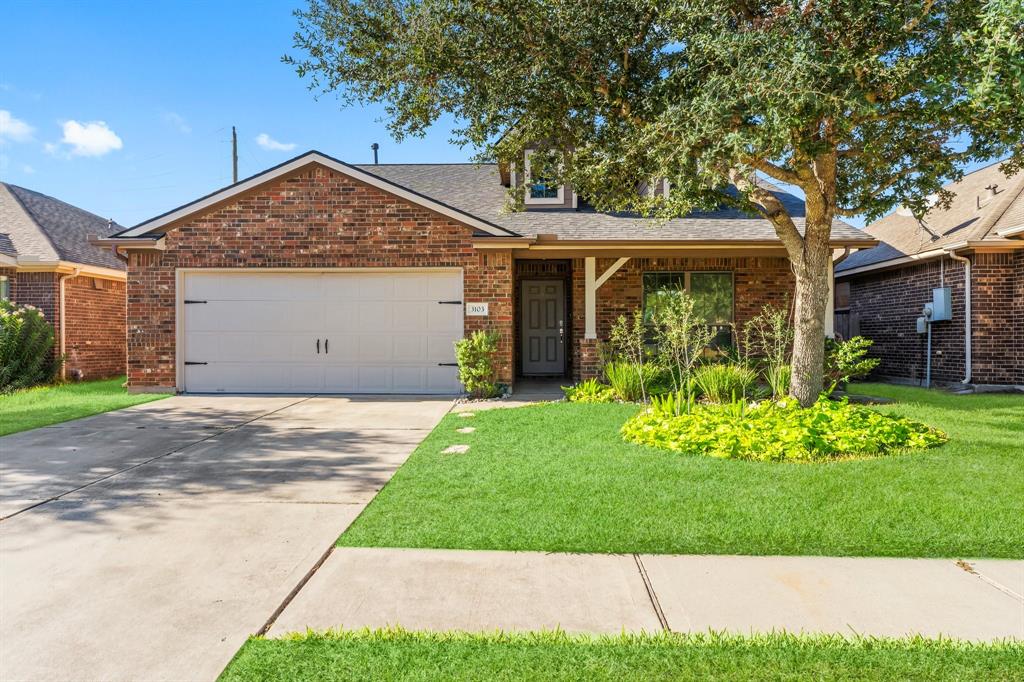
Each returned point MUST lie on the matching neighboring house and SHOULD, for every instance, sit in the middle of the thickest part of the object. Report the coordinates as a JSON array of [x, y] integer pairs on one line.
[[46, 261], [317, 275], [881, 292]]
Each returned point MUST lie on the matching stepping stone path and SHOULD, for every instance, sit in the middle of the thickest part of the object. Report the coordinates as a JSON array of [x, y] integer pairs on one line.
[[466, 429], [467, 414], [455, 450]]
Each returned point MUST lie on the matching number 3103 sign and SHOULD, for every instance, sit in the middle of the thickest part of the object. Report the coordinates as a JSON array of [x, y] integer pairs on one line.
[[478, 309]]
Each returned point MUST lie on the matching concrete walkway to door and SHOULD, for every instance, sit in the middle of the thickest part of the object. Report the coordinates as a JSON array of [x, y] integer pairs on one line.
[[605, 593], [148, 543]]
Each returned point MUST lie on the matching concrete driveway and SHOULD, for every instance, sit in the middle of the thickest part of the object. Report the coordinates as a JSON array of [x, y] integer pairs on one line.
[[149, 543]]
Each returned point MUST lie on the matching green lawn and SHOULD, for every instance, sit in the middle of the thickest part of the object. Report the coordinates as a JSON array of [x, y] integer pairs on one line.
[[557, 477], [35, 407], [389, 655]]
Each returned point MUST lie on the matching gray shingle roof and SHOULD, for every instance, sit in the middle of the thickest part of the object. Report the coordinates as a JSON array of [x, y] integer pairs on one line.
[[39, 226], [6, 245], [972, 216], [476, 189]]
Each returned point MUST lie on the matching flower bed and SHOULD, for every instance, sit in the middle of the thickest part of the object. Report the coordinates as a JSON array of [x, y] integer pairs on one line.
[[780, 431]]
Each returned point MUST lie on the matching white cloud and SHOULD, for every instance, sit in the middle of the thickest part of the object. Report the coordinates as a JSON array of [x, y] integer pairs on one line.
[[178, 122], [14, 128], [267, 142], [28, 170], [93, 138]]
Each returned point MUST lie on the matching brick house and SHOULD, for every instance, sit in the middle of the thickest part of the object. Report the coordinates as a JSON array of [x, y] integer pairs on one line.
[[881, 292], [319, 276], [46, 261]]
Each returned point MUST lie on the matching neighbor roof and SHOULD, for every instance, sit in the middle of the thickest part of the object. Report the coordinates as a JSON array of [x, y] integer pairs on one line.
[[473, 194], [35, 226], [973, 216]]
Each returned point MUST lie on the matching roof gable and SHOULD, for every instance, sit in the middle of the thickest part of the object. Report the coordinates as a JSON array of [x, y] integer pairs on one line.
[[309, 158]]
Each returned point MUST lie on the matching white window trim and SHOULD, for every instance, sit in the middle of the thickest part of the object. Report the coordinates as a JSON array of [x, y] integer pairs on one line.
[[559, 199]]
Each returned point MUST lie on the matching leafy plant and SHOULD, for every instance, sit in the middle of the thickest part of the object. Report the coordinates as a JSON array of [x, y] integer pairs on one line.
[[26, 347], [768, 340], [780, 431], [475, 356], [681, 334], [675, 403], [629, 343], [589, 391], [629, 380], [721, 382], [846, 361]]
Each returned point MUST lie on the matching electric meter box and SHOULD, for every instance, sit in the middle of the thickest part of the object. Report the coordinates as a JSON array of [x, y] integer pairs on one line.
[[942, 306]]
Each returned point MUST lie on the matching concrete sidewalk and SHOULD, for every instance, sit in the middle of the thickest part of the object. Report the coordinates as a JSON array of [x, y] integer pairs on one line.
[[481, 591]]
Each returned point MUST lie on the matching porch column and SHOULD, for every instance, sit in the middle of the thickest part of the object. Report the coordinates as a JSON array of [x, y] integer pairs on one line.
[[591, 283]]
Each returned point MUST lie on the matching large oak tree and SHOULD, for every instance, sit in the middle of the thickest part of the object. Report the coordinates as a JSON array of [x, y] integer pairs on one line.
[[861, 104]]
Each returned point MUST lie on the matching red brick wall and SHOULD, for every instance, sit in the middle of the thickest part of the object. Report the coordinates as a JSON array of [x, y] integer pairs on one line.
[[757, 282], [885, 306], [317, 218], [38, 289], [95, 327]]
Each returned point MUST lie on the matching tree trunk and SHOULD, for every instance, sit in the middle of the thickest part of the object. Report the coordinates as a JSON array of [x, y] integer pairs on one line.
[[812, 288]]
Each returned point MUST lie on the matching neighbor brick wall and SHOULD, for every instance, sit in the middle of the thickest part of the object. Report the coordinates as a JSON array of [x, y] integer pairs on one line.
[[757, 282], [38, 289], [316, 218], [95, 327], [885, 306]]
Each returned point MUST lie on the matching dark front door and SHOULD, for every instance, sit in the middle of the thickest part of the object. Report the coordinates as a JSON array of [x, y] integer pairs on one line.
[[543, 327]]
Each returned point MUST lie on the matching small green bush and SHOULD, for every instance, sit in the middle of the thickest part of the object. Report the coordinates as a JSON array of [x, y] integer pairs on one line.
[[26, 348], [780, 431], [846, 361], [631, 381], [589, 391], [722, 383], [475, 356]]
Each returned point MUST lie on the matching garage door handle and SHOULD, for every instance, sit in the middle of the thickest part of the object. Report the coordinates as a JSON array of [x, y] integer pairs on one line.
[[447, 364], [194, 363], [326, 348], [450, 302], [318, 346]]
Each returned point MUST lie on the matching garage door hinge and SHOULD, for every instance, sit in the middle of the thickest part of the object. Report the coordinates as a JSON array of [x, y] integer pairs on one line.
[[447, 364], [194, 363], [188, 301], [450, 302]]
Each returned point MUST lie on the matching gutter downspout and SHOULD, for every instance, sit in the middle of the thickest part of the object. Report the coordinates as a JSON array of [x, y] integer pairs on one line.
[[967, 314], [63, 323]]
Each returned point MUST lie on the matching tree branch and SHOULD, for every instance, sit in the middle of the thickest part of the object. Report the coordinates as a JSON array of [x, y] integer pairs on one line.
[[773, 209]]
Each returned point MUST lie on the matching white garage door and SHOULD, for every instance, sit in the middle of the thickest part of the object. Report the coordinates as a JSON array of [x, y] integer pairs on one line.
[[332, 332]]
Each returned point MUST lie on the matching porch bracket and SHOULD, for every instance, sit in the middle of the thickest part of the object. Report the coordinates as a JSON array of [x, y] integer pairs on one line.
[[591, 284]]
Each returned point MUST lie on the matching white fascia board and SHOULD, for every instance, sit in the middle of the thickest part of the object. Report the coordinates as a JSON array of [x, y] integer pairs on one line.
[[300, 162]]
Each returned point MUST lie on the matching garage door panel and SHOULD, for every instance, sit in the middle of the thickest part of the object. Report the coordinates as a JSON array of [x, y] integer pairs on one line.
[[258, 331]]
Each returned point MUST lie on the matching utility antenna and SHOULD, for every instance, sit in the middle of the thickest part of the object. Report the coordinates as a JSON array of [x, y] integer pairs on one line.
[[234, 156]]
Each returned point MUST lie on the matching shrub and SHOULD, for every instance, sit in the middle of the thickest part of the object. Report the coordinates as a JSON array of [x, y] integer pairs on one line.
[[845, 361], [26, 348], [721, 382], [589, 391], [780, 431], [475, 356], [681, 336], [767, 341], [629, 381], [629, 345]]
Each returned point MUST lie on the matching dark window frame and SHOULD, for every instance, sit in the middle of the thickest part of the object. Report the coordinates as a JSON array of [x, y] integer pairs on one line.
[[729, 326]]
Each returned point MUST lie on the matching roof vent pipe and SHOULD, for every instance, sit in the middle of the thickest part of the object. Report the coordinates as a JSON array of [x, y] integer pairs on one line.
[[374, 147], [967, 314]]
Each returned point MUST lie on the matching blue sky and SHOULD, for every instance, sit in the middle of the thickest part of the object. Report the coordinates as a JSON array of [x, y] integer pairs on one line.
[[126, 108], [168, 80]]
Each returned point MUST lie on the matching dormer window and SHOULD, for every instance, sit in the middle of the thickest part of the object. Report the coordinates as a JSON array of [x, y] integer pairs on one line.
[[541, 188]]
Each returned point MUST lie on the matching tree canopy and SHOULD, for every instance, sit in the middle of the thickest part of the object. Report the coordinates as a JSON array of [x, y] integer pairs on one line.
[[862, 104]]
